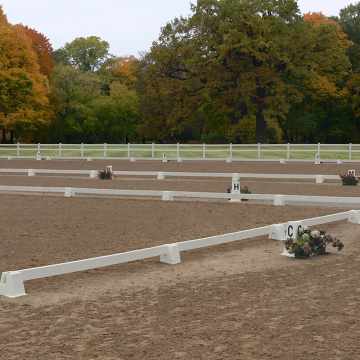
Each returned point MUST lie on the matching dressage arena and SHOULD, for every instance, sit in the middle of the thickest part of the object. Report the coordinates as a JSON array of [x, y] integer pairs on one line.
[[240, 300]]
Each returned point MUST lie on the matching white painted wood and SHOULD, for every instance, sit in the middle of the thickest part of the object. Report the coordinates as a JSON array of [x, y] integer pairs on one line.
[[12, 282]]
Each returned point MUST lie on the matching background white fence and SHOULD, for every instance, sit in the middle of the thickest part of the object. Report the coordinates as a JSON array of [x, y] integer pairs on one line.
[[186, 151]]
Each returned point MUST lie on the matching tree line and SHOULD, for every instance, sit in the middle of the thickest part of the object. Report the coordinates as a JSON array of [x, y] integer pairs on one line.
[[239, 71]]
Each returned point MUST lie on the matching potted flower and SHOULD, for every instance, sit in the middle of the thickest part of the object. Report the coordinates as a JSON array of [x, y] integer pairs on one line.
[[349, 179], [311, 242], [105, 174], [243, 190]]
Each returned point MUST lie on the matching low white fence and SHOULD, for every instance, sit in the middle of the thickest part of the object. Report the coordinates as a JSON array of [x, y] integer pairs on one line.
[[192, 151], [163, 174], [12, 282], [277, 199]]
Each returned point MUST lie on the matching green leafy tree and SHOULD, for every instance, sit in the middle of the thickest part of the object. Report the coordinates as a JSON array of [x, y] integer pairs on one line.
[[116, 115], [233, 60], [349, 20], [77, 91], [87, 54], [229, 60]]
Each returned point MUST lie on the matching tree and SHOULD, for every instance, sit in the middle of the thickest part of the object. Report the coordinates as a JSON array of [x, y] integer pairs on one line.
[[233, 62], [229, 60], [326, 94], [41, 45], [23, 89], [350, 22], [77, 91], [124, 70], [116, 115], [86, 54]]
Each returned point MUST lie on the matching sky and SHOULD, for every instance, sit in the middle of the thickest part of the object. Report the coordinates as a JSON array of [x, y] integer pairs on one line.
[[129, 27]]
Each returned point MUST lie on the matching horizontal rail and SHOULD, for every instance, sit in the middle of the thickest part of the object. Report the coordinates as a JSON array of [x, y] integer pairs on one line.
[[12, 282], [92, 263], [278, 199], [223, 239], [163, 174]]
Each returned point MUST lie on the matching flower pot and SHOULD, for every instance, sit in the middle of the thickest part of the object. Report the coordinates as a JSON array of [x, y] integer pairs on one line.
[[321, 250], [351, 182], [104, 175], [301, 255]]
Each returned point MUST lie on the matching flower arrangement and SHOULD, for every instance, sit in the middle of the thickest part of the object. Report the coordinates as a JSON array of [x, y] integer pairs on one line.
[[105, 174], [349, 179], [243, 190], [311, 242]]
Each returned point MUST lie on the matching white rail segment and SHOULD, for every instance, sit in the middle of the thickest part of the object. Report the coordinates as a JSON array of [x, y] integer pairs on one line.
[[277, 199], [223, 239], [162, 174], [87, 264], [12, 282]]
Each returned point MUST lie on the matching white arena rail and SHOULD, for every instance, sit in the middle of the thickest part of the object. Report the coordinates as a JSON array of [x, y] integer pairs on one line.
[[163, 174], [277, 199], [12, 282]]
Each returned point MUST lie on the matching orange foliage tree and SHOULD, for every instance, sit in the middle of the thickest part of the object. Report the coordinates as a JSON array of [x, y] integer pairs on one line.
[[23, 88], [41, 45], [124, 70]]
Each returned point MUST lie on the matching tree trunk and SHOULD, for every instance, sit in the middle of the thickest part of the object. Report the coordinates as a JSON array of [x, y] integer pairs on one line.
[[260, 118], [260, 128], [4, 136]]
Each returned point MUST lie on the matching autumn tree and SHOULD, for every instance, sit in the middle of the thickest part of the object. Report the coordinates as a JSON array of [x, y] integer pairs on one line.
[[124, 70], [324, 90], [41, 45], [23, 88]]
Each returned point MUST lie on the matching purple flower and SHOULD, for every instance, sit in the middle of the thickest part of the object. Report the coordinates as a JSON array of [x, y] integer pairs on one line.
[[307, 249], [328, 239]]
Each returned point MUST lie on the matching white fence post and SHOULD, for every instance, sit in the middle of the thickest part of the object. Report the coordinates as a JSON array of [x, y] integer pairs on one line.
[[318, 149], [259, 150], [178, 150], [288, 151], [104, 149], [60, 149], [18, 150], [203, 150], [82, 150], [152, 150], [350, 151], [230, 151], [128, 150]]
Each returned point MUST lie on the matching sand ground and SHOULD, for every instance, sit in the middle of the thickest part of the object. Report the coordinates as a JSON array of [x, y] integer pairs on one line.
[[242, 300]]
